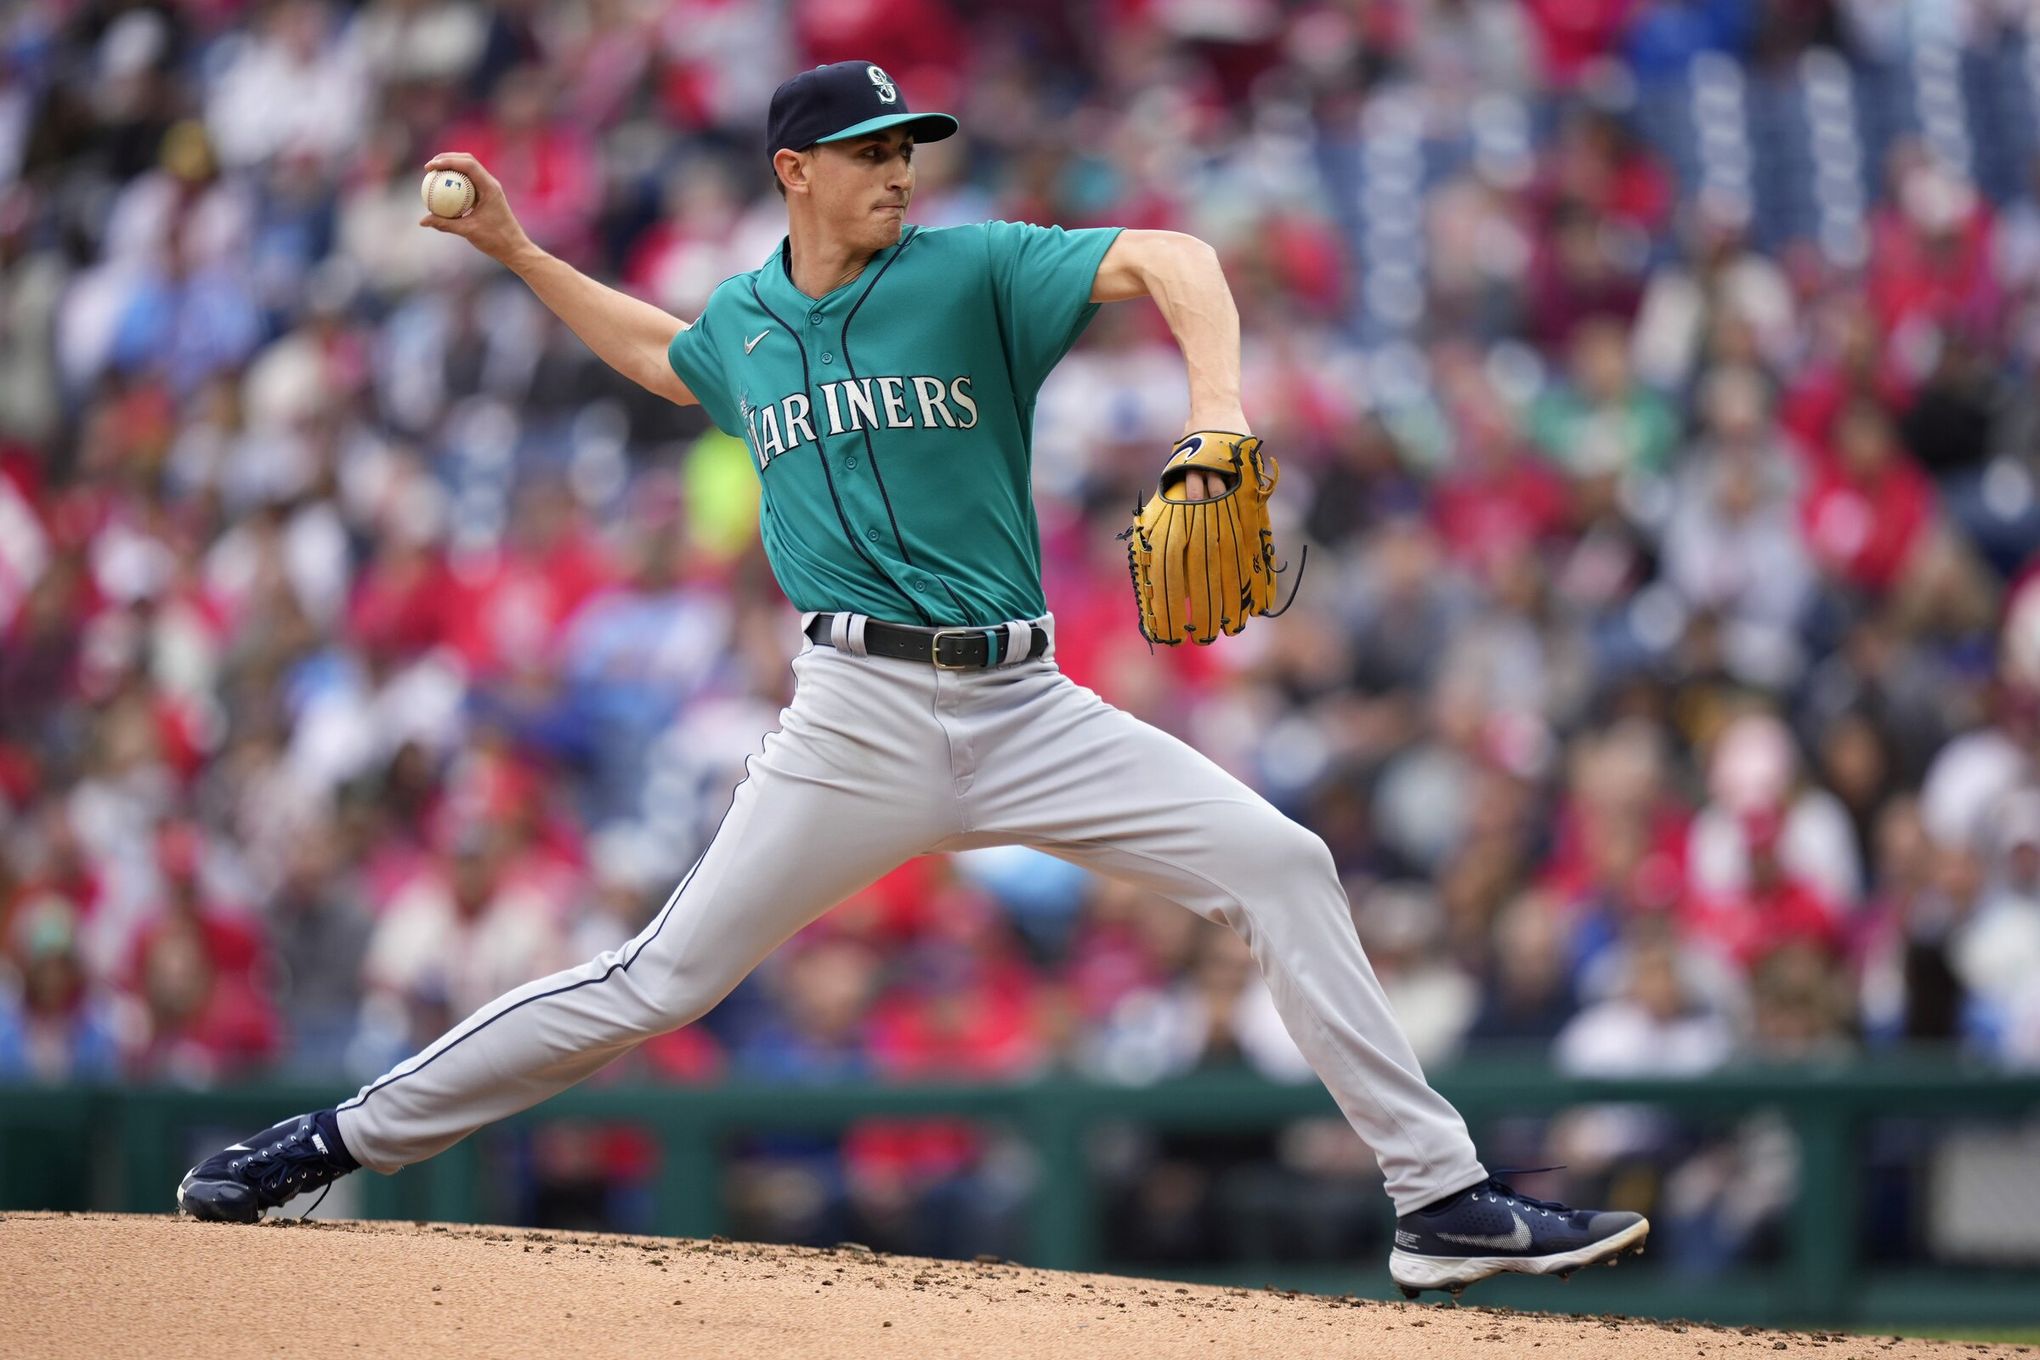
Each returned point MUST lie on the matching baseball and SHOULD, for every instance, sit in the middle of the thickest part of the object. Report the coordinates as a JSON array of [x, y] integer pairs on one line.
[[448, 193]]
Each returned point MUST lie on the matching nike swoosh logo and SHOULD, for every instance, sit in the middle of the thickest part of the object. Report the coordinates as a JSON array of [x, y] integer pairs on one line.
[[1514, 1241], [239, 1147], [752, 343]]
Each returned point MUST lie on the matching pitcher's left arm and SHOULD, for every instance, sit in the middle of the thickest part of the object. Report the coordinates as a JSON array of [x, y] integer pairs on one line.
[[1182, 275]]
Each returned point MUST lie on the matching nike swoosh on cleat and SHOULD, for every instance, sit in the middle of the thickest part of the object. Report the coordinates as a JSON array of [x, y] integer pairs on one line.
[[239, 1147], [1514, 1241], [752, 343]]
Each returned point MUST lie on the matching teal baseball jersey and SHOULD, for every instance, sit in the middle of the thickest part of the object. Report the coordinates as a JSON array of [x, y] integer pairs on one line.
[[891, 422]]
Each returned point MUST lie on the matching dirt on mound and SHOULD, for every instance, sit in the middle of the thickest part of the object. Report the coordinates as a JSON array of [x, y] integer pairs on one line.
[[105, 1284]]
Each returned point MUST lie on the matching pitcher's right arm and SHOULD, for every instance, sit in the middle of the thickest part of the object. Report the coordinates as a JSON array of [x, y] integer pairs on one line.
[[627, 333]]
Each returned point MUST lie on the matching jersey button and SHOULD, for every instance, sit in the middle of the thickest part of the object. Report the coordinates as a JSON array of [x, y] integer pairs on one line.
[[920, 585], [871, 534], [814, 318], [849, 464], [828, 358]]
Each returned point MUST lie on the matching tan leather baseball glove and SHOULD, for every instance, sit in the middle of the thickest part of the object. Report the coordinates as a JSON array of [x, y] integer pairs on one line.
[[1204, 567]]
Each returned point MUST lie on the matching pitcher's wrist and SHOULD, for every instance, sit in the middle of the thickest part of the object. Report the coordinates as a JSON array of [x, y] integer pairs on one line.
[[1229, 421]]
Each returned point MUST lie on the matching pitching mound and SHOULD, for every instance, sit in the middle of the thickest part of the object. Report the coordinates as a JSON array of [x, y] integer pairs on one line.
[[99, 1285]]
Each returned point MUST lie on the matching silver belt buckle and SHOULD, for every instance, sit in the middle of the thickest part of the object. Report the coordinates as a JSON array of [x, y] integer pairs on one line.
[[935, 648]]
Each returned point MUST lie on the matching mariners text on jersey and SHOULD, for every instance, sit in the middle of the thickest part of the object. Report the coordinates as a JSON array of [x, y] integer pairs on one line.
[[890, 421], [850, 405]]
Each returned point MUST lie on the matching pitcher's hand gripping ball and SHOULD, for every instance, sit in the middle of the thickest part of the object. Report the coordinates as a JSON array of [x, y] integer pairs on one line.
[[447, 193], [1204, 567]]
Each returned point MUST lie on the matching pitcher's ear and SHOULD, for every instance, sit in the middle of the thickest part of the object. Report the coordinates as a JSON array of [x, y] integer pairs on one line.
[[791, 168]]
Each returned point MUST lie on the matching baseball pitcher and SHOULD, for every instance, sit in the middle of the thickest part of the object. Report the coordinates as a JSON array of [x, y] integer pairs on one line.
[[884, 376]]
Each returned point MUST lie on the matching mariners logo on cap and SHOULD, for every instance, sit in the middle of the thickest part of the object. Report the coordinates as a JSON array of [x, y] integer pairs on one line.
[[844, 99]]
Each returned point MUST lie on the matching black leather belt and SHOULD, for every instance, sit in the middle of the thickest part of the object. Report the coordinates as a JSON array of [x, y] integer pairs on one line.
[[948, 649]]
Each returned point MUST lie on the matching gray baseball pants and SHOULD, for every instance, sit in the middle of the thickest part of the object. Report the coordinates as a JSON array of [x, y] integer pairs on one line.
[[877, 761]]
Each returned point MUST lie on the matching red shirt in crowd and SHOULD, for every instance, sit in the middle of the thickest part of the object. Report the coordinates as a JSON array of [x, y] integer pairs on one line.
[[1865, 529], [1573, 34], [550, 171], [1945, 278], [212, 1023], [1776, 907], [1483, 513], [504, 613], [1750, 925]]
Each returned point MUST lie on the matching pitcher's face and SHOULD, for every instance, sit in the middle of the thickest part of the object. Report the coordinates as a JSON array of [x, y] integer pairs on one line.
[[860, 188]]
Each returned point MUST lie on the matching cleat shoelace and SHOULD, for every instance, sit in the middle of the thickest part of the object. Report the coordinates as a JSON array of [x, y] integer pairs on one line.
[[1495, 1189], [283, 1168]]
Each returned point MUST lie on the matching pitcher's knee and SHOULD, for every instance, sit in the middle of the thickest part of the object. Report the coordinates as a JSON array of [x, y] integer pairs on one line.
[[1291, 898], [1300, 853], [1315, 857], [1293, 855]]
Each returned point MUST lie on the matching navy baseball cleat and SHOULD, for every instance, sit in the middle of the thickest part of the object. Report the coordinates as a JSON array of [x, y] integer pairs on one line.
[[1489, 1229], [236, 1184]]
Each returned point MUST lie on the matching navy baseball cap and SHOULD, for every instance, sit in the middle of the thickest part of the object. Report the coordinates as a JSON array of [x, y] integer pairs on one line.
[[835, 103]]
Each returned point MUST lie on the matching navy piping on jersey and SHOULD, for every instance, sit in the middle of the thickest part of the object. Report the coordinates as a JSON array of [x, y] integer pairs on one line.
[[821, 456], [870, 453], [622, 966], [999, 330]]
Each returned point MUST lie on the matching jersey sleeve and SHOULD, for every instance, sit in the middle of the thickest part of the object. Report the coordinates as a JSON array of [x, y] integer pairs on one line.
[[1041, 280], [696, 358]]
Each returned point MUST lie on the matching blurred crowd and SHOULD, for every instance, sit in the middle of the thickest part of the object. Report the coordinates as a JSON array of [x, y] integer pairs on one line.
[[1666, 681]]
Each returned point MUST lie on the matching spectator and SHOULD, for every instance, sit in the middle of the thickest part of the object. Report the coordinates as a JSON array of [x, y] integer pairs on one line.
[[321, 930], [450, 942], [792, 1186], [202, 969], [1655, 1023], [1867, 513], [1434, 1000], [1774, 910], [1996, 951], [1528, 995], [1930, 262], [546, 166], [1728, 1200], [287, 88], [1914, 988], [55, 1026], [1601, 422], [1756, 792], [1732, 546], [1495, 498], [1219, 1015]]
